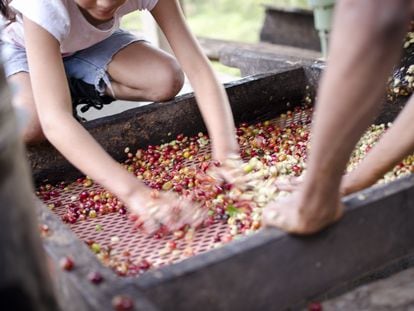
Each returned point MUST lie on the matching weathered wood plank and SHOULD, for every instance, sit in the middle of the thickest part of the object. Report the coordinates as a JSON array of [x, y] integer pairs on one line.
[[215, 48], [256, 58]]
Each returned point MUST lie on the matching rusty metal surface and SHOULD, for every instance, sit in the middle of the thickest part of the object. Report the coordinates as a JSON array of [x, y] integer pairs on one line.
[[136, 243]]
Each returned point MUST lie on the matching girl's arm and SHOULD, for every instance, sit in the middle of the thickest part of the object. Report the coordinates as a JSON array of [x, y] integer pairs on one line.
[[350, 92], [210, 94], [53, 104]]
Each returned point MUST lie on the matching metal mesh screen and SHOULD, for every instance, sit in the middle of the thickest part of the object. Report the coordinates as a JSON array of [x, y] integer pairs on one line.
[[129, 245]]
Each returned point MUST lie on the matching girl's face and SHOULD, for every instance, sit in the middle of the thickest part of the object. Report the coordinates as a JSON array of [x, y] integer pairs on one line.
[[99, 10]]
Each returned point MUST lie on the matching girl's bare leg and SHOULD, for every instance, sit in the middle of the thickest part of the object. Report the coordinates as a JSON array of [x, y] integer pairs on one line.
[[366, 42], [141, 72], [23, 100]]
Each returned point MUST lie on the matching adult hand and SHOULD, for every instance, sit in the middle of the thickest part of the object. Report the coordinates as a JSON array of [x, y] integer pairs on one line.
[[288, 183], [294, 215]]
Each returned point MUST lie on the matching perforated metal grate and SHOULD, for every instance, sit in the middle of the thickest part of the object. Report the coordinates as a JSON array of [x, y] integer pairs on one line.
[[138, 244], [116, 230]]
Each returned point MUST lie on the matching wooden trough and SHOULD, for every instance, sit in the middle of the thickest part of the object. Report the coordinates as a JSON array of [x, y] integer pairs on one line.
[[269, 270]]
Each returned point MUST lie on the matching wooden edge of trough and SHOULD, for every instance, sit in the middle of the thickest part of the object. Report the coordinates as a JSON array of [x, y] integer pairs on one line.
[[215, 48], [271, 270], [74, 290]]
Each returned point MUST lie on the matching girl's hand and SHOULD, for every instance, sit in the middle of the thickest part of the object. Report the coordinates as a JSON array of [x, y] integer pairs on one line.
[[165, 209], [230, 171]]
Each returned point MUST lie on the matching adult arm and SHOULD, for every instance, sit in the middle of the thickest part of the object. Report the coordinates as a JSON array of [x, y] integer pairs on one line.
[[394, 145], [366, 42]]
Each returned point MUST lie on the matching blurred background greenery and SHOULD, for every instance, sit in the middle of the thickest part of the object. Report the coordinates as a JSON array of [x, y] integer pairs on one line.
[[226, 19], [237, 20]]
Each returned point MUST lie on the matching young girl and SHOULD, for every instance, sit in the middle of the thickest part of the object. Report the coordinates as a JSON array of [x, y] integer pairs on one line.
[[48, 41]]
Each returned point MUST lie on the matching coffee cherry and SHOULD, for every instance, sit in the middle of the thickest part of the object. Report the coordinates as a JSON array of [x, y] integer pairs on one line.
[[67, 263], [95, 277], [122, 303], [144, 265], [315, 306]]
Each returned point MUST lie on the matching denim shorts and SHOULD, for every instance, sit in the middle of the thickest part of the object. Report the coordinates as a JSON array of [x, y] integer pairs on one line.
[[89, 65]]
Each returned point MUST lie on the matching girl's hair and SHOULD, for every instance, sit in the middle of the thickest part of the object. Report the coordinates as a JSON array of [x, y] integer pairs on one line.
[[6, 11]]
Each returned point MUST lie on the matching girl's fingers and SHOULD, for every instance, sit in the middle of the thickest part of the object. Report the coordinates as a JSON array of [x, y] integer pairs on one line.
[[195, 214], [233, 176], [170, 211]]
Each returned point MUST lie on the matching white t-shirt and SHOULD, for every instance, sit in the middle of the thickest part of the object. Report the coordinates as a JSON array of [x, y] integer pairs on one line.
[[64, 20]]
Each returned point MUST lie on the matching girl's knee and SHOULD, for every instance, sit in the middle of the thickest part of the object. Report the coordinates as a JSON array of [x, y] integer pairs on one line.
[[32, 133], [23, 101], [170, 81]]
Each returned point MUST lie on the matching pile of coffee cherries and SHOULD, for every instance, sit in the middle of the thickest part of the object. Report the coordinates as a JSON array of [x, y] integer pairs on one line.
[[87, 204], [269, 149], [401, 83]]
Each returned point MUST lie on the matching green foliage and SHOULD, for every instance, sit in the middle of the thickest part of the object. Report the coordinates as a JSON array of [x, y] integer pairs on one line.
[[232, 211], [219, 67], [226, 19], [237, 20]]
